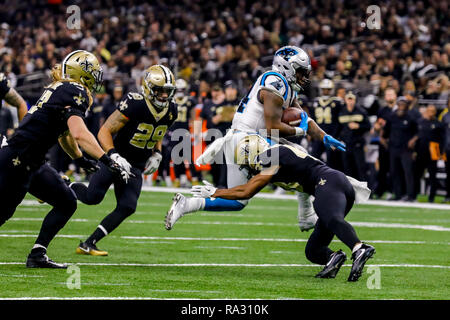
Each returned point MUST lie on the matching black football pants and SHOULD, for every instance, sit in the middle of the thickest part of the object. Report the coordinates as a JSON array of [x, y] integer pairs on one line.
[[334, 198], [44, 183], [127, 194]]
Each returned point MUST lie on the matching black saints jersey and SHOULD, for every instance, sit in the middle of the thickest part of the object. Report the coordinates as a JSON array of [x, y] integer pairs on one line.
[[297, 171], [185, 106], [145, 127], [325, 112], [4, 87], [47, 120]]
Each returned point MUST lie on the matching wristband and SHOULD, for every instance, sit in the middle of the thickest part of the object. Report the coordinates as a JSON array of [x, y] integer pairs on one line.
[[299, 131], [105, 159], [111, 151]]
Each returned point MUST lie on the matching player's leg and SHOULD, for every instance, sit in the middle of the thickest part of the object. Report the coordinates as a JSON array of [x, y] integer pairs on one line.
[[182, 205], [307, 217], [127, 195], [317, 251], [334, 198], [99, 184], [47, 185], [14, 181]]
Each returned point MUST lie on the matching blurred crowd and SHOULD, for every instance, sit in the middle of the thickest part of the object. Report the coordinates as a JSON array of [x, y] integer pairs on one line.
[[220, 48]]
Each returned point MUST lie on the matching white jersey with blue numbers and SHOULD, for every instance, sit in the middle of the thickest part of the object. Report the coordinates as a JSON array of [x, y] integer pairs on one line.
[[250, 113]]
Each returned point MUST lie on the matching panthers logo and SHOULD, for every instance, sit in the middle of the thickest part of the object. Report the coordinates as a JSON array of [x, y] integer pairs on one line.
[[287, 53]]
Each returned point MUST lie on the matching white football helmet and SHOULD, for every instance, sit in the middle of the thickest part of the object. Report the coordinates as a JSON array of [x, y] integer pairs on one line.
[[181, 93], [294, 64]]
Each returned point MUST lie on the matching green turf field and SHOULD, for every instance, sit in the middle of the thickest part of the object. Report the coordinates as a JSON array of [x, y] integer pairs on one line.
[[257, 253]]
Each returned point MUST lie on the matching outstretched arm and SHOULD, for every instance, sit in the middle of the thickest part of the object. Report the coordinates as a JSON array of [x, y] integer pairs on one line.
[[314, 131], [248, 190], [15, 99]]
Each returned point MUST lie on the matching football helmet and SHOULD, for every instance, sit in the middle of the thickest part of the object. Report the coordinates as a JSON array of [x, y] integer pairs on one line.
[[158, 86], [83, 67], [326, 84], [181, 92], [294, 64], [247, 151]]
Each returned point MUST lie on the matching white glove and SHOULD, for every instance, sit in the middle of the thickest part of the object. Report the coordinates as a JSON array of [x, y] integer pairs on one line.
[[3, 141], [153, 163], [205, 191], [121, 161]]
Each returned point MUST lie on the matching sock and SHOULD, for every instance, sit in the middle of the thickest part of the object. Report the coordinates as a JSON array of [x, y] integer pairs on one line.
[[219, 204], [97, 235], [356, 247], [194, 204]]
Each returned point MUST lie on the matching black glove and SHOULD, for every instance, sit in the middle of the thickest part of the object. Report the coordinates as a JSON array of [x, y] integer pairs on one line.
[[90, 166], [115, 168]]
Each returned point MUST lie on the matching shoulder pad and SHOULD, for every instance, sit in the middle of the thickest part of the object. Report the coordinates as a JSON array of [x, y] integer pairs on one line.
[[275, 82]]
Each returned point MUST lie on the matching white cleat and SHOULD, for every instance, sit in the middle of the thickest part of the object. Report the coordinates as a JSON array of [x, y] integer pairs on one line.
[[176, 211]]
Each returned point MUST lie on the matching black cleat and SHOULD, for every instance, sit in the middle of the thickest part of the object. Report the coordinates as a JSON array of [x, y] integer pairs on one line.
[[42, 261], [331, 269], [359, 258]]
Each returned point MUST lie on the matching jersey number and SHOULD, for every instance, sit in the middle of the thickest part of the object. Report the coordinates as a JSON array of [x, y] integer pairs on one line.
[[323, 115], [182, 114], [148, 135], [45, 97]]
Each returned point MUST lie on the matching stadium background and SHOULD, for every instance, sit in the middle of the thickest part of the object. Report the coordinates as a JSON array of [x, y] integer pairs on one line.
[[209, 43]]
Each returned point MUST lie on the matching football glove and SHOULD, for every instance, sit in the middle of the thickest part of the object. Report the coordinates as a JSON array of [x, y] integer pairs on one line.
[[90, 166], [3, 141], [302, 128], [116, 168], [332, 144], [153, 163], [205, 191], [120, 160]]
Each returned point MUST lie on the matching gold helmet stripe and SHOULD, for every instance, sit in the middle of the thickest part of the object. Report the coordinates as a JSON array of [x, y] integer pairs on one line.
[[65, 61]]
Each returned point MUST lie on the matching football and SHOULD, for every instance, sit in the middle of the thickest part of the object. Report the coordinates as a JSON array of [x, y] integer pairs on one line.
[[291, 116]]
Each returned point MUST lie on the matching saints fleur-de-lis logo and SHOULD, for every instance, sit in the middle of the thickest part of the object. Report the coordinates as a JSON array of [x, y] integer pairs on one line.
[[16, 161], [79, 99], [123, 105], [322, 181], [86, 65]]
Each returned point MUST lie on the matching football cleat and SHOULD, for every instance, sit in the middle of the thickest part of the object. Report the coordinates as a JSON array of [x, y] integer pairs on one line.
[[43, 261], [90, 249], [176, 211], [359, 258], [331, 269]]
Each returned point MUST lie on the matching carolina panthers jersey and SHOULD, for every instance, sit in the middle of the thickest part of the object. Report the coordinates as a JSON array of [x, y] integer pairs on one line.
[[297, 170], [250, 113], [47, 120], [4, 87], [326, 113], [145, 127], [185, 107]]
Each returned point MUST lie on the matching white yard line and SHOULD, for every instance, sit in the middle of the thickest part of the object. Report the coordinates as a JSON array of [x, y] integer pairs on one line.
[[77, 236], [247, 265], [294, 197], [271, 224]]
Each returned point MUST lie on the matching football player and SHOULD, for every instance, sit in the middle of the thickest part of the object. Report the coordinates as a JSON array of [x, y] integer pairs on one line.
[[138, 125], [58, 116], [186, 113], [260, 112], [334, 198], [325, 111]]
